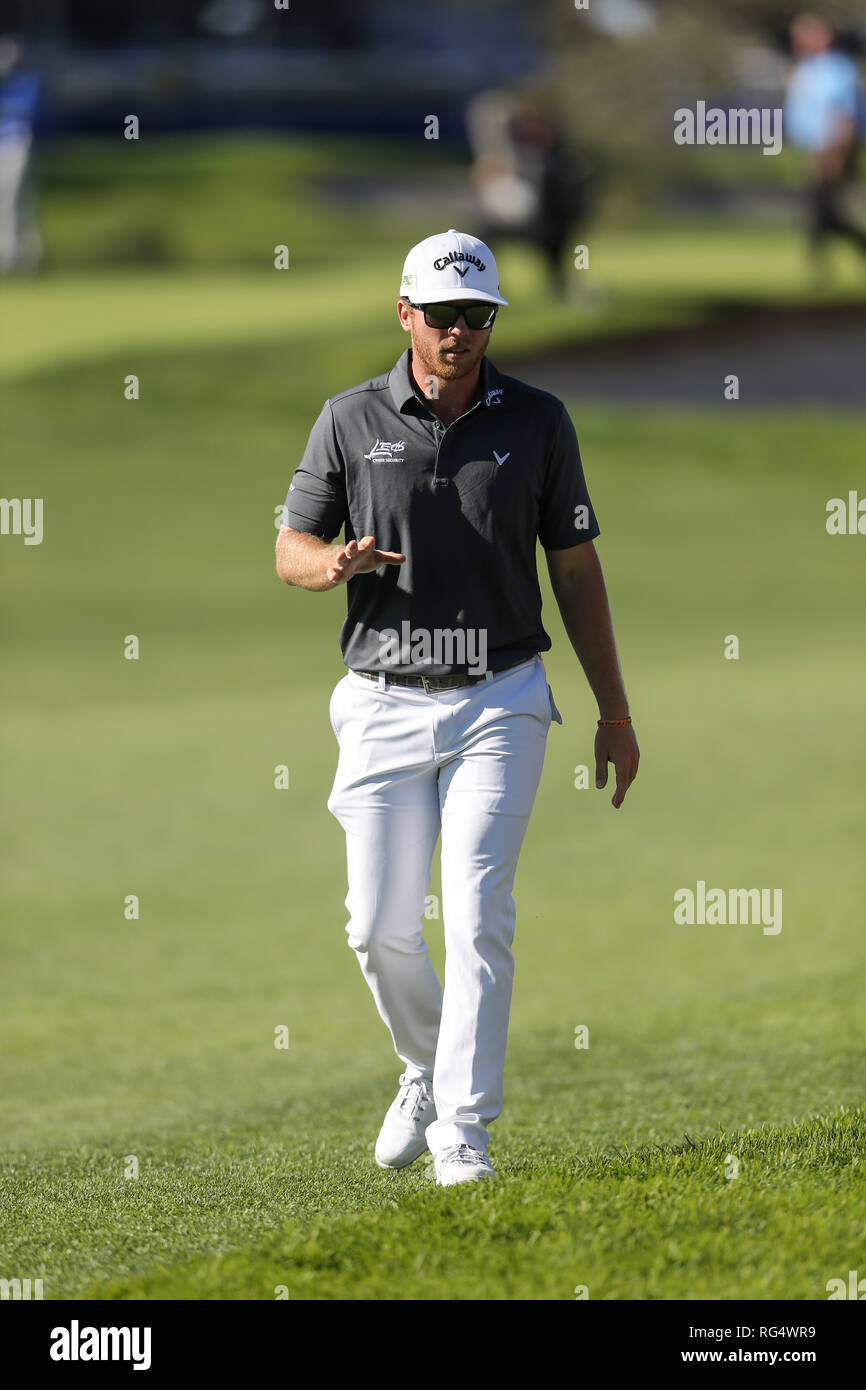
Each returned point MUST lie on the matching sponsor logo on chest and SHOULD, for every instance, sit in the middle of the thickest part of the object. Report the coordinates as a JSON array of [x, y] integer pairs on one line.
[[393, 451], [387, 451]]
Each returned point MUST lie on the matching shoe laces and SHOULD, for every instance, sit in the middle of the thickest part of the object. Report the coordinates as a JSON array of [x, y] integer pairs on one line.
[[461, 1153], [414, 1099]]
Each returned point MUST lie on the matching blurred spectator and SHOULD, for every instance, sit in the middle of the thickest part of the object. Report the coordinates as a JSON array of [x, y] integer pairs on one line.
[[531, 184], [20, 243], [821, 118]]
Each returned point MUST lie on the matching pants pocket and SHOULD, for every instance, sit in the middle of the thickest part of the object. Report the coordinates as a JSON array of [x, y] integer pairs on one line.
[[332, 708], [554, 712]]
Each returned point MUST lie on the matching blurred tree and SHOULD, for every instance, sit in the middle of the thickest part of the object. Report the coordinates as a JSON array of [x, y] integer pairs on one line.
[[617, 92]]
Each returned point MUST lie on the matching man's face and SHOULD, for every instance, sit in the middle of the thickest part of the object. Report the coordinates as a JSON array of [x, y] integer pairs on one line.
[[446, 353], [809, 35]]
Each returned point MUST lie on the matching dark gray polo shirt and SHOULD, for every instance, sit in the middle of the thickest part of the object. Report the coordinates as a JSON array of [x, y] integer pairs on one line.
[[464, 504]]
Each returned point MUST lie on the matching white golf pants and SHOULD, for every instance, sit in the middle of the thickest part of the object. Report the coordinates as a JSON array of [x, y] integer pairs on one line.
[[465, 763]]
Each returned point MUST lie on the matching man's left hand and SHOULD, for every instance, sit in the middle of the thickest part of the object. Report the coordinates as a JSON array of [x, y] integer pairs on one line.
[[617, 746]]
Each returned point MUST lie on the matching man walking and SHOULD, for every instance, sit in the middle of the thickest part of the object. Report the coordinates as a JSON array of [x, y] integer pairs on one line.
[[442, 473], [821, 116]]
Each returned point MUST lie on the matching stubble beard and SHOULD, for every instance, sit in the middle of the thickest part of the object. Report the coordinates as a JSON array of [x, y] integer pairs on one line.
[[432, 362]]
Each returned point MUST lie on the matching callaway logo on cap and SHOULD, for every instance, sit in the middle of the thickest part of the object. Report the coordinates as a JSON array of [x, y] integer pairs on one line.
[[450, 265]]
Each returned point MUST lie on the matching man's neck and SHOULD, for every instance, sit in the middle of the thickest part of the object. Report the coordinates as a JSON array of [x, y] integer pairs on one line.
[[454, 397]]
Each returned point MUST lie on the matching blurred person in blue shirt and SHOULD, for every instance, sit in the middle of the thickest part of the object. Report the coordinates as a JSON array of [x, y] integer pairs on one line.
[[822, 109], [20, 243]]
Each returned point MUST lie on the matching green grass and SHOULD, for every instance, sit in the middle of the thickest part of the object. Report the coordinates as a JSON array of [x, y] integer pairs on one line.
[[208, 201], [169, 245], [260, 1212], [154, 1038]]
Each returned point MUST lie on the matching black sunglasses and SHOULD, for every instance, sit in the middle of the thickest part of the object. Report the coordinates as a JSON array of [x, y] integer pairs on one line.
[[444, 316]]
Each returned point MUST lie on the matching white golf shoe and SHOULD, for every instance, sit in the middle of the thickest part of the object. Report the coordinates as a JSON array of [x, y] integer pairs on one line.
[[402, 1137], [461, 1163]]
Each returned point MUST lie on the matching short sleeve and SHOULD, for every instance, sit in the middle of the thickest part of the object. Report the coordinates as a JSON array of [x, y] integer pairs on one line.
[[847, 101], [566, 517], [316, 501]]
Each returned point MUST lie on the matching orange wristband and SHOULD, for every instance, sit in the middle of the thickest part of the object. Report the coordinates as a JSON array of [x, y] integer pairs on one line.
[[614, 723]]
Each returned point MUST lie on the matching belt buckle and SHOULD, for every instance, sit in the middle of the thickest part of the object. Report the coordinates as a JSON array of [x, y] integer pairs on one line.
[[425, 681]]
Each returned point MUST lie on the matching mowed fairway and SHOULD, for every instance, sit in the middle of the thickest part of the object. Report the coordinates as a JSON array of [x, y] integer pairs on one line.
[[153, 1039]]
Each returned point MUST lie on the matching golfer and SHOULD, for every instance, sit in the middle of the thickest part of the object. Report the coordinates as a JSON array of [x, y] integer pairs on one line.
[[441, 475]]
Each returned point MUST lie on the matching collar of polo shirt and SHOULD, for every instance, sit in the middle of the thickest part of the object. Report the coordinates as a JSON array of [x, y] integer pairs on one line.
[[402, 390]]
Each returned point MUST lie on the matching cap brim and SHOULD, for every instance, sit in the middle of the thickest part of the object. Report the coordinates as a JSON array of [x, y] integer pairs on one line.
[[452, 296]]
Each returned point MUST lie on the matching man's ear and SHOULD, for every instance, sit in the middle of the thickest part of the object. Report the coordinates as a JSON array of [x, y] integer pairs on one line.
[[404, 314]]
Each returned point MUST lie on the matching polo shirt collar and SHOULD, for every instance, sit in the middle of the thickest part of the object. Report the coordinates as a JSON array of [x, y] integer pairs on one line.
[[403, 392]]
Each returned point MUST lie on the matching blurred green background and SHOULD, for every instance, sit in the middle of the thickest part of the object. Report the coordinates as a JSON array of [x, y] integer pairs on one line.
[[154, 1038]]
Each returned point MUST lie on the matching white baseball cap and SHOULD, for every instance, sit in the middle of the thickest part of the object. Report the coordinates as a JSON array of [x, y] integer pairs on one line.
[[450, 265]]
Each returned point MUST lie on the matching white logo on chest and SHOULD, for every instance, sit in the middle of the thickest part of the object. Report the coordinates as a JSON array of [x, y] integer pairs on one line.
[[500, 458], [384, 451]]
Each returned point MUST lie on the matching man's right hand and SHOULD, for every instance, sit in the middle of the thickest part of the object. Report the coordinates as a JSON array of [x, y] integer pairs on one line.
[[359, 557]]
